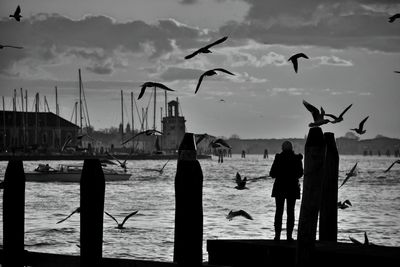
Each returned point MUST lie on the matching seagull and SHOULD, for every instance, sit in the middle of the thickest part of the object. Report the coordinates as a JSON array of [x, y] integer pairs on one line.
[[233, 214], [77, 210], [360, 129], [349, 174], [121, 225], [147, 132], [152, 84], [11, 46], [294, 59], [344, 205], [317, 115], [241, 183], [388, 169], [394, 17], [201, 137], [17, 14], [122, 164], [210, 73], [158, 170], [366, 240], [340, 118], [396, 71], [206, 48], [217, 143]]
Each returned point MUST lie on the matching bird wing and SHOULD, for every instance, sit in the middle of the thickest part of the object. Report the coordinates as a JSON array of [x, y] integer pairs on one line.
[[347, 202], [142, 90], [294, 62], [349, 175], [162, 86], [223, 39], [224, 70], [201, 137], [355, 241], [222, 143], [344, 111], [331, 115], [199, 82], [17, 11], [112, 217], [165, 164], [192, 54], [238, 178], [366, 241], [128, 216], [75, 211], [245, 214], [314, 111], [130, 138], [66, 143], [361, 125], [301, 55], [120, 163], [391, 165]]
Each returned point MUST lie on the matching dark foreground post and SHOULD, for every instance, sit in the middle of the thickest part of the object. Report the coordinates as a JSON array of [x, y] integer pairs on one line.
[[329, 199], [314, 154], [92, 208], [14, 214], [188, 243]]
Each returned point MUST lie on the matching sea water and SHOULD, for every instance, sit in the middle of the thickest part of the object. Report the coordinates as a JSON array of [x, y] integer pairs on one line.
[[149, 235]]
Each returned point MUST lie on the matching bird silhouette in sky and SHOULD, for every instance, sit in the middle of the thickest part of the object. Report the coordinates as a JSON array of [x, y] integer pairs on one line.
[[206, 49], [340, 117], [394, 17], [241, 183], [147, 132], [152, 84], [210, 73], [17, 14], [232, 214], [77, 210], [218, 143], [11, 46], [391, 165], [366, 240], [344, 205], [350, 174], [317, 115], [396, 71], [360, 129], [121, 225], [294, 60]]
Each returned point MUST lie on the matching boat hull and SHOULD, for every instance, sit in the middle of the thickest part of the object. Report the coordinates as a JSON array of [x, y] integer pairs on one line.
[[75, 177]]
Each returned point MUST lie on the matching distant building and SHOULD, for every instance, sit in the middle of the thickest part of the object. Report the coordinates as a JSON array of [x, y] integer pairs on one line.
[[173, 128], [31, 130]]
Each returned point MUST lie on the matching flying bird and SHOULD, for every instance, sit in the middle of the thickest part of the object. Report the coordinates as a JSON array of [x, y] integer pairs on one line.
[[344, 205], [201, 137], [152, 84], [394, 17], [17, 14], [158, 170], [294, 60], [340, 118], [233, 214], [147, 132], [206, 49], [391, 165], [217, 143], [210, 73], [11, 46], [121, 164], [396, 71], [360, 129], [317, 115], [349, 174], [121, 225], [241, 183], [77, 210], [366, 240]]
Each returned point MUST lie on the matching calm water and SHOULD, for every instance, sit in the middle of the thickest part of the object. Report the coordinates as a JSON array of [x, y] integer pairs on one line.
[[150, 234]]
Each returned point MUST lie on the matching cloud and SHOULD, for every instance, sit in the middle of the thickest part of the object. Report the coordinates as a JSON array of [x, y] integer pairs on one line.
[[332, 61], [289, 91]]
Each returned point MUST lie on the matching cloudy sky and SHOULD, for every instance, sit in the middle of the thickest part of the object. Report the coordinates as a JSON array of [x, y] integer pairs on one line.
[[353, 52]]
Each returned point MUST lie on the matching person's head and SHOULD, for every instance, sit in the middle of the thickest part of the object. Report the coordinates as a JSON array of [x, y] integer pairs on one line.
[[287, 146]]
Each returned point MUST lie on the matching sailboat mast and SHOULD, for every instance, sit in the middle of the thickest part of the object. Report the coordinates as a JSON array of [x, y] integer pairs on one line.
[[122, 115], [80, 100], [4, 124], [165, 93], [132, 128], [154, 112], [58, 120], [23, 118]]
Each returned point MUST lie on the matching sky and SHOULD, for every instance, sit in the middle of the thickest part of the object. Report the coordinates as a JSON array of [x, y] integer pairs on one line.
[[353, 54]]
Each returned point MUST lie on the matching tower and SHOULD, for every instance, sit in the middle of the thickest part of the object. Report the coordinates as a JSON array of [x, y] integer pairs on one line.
[[173, 127]]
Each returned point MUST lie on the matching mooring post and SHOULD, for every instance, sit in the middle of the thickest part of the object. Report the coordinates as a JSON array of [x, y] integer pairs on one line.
[[329, 198], [92, 208], [314, 155], [188, 239], [14, 214]]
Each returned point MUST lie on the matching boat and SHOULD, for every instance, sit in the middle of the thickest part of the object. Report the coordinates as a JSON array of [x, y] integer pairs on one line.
[[70, 173]]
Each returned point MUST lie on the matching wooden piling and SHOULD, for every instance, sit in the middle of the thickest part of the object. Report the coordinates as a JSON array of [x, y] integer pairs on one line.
[[328, 212], [314, 154], [188, 239], [92, 207], [14, 214]]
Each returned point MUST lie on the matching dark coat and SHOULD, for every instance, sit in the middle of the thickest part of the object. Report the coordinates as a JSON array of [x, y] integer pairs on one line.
[[287, 168]]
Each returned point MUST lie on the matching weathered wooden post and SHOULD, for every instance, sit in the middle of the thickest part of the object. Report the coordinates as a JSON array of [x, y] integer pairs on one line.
[[14, 214], [92, 208], [328, 214], [314, 154], [188, 243]]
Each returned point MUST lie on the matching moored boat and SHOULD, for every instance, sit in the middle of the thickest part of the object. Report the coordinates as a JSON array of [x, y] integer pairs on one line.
[[70, 173]]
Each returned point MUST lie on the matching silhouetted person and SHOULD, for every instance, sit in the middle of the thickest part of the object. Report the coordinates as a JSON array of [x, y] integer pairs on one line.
[[287, 168]]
